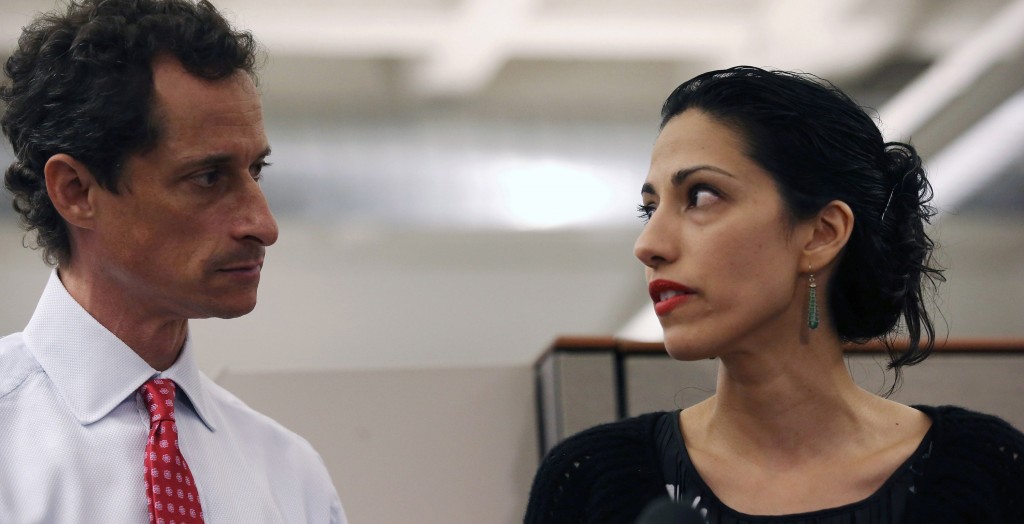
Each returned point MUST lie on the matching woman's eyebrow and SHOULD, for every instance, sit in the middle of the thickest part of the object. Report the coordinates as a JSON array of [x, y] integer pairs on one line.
[[680, 176]]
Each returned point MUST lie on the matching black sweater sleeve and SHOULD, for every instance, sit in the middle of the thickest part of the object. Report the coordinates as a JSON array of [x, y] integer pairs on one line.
[[605, 474], [976, 473]]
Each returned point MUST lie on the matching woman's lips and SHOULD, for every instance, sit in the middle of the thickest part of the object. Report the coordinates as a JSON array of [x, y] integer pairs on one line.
[[668, 295]]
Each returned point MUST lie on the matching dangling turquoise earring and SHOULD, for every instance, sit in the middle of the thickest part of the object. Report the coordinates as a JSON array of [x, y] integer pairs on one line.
[[812, 300]]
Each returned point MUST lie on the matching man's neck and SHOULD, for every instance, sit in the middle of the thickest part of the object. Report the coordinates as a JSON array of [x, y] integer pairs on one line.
[[157, 339]]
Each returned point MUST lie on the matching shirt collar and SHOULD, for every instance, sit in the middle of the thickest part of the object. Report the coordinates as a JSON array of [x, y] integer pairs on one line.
[[185, 373], [92, 369]]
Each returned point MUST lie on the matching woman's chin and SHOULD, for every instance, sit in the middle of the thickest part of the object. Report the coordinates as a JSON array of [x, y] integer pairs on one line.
[[688, 352], [688, 344]]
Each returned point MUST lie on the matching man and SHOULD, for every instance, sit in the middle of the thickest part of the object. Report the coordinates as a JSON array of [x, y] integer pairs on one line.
[[139, 140]]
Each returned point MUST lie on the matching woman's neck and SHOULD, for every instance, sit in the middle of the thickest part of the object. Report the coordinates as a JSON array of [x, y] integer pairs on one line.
[[785, 402]]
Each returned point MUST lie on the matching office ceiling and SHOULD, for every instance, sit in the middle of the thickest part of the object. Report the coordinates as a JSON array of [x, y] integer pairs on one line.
[[459, 113]]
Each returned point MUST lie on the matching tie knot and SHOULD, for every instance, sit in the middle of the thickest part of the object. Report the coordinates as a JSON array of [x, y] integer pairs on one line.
[[159, 396]]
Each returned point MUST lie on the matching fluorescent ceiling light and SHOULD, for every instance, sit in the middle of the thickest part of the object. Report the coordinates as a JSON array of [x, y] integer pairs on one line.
[[978, 156], [542, 194]]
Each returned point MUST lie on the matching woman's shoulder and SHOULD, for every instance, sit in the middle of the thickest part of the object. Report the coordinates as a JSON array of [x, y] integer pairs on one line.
[[973, 469], [962, 425], [616, 460], [607, 446], [963, 437], [626, 432]]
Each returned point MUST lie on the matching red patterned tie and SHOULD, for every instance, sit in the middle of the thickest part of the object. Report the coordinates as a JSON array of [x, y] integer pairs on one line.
[[171, 491]]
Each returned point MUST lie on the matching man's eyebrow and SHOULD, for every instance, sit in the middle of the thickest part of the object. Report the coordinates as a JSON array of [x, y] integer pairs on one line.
[[680, 176], [218, 158]]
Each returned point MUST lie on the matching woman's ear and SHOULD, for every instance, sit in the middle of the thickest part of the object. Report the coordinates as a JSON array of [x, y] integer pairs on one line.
[[831, 230], [69, 184]]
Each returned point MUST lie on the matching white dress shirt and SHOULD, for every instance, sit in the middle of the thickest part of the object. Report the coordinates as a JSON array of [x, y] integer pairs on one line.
[[73, 431]]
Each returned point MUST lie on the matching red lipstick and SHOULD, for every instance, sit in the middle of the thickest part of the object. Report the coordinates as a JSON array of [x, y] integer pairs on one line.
[[668, 295]]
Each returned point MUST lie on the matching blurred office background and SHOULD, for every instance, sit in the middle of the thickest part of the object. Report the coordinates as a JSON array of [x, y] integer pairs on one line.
[[456, 183]]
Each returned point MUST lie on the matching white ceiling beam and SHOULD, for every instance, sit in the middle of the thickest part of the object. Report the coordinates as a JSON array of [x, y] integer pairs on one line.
[[627, 37], [348, 33], [460, 54], [405, 36], [954, 73], [473, 48], [835, 40]]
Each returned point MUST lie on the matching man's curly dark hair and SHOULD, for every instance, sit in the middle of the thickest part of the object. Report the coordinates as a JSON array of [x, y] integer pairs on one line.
[[81, 83]]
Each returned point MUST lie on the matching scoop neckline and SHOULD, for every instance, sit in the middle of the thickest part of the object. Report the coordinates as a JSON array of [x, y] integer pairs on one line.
[[897, 474]]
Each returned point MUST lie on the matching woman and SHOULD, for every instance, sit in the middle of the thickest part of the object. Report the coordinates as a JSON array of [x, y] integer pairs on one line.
[[780, 225]]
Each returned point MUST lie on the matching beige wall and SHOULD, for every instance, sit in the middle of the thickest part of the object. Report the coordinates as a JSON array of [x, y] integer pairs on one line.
[[426, 446], [337, 297], [986, 383], [423, 344]]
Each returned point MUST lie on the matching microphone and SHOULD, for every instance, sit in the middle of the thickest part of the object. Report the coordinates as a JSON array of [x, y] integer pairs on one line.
[[663, 511]]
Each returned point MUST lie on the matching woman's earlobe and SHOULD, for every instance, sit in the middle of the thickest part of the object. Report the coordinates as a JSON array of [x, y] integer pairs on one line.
[[832, 228]]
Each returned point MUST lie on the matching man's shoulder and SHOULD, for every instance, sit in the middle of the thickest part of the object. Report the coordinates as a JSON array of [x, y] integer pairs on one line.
[[235, 412], [16, 364], [270, 446]]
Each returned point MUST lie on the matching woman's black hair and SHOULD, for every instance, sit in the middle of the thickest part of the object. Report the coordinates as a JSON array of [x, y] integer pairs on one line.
[[820, 146]]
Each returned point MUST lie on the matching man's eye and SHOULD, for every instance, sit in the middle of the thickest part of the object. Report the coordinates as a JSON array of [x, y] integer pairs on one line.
[[207, 178], [257, 170]]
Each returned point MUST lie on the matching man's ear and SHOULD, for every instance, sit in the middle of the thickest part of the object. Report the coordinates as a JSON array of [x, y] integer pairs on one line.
[[69, 184], [831, 230]]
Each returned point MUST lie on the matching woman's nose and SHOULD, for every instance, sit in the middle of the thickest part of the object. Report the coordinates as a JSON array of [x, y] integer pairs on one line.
[[657, 243]]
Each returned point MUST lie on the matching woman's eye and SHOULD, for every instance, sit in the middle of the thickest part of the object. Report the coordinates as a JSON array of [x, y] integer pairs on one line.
[[645, 211], [701, 195]]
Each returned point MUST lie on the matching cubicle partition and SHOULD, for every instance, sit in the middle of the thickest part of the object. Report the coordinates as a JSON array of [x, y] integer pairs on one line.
[[584, 381], [443, 445]]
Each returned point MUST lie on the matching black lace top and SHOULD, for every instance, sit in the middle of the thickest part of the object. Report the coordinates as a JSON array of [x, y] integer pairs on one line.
[[886, 506], [969, 469]]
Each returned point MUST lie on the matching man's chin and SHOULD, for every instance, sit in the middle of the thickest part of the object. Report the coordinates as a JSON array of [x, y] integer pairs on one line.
[[238, 312], [226, 310], [235, 314]]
